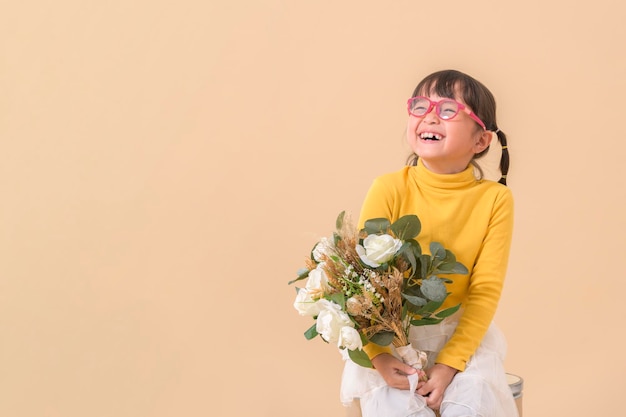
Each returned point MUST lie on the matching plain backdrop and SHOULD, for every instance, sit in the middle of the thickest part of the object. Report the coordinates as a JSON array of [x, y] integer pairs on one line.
[[165, 168]]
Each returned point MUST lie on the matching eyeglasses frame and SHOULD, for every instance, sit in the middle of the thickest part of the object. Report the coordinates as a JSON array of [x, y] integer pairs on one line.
[[436, 104]]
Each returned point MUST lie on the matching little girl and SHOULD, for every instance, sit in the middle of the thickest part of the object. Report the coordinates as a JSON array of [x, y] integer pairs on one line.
[[452, 120]]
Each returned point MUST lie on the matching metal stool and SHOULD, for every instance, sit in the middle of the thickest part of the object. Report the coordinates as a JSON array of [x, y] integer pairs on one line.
[[517, 388]]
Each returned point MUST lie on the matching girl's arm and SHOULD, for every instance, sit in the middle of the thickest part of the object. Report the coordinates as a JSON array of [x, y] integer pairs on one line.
[[480, 304], [485, 287]]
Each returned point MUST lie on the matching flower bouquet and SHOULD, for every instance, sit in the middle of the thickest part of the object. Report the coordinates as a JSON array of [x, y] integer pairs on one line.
[[372, 285]]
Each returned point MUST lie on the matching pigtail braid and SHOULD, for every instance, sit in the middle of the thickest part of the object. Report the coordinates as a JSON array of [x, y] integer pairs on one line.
[[504, 159]]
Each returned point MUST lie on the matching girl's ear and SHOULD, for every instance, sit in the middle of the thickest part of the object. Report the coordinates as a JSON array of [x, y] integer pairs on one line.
[[483, 141]]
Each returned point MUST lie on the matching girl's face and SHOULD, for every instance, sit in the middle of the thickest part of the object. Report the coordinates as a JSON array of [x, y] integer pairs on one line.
[[446, 146]]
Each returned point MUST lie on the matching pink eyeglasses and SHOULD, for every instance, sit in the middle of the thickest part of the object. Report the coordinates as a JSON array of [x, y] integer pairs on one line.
[[446, 109]]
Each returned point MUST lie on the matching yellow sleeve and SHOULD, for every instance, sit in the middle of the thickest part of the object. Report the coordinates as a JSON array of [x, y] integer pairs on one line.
[[372, 350], [485, 287]]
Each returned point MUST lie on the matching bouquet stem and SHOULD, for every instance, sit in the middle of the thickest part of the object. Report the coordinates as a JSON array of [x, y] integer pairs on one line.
[[413, 357]]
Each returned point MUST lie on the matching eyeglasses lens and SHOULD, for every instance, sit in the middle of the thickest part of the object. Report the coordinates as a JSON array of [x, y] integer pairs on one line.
[[419, 106], [447, 109]]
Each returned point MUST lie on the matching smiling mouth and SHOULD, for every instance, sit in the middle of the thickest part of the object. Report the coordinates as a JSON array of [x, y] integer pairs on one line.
[[430, 136]]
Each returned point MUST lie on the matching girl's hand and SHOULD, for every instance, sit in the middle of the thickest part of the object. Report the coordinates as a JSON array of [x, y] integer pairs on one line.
[[393, 370], [439, 377]]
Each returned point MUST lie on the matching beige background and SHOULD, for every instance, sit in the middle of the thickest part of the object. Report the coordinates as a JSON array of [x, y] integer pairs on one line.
[[166, 167]]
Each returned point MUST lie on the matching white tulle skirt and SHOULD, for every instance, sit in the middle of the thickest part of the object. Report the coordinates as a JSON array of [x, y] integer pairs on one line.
[[481, 390]]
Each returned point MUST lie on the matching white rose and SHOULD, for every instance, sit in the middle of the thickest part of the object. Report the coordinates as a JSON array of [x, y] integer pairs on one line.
[[305, 305], [323, 247], [350, 338], [318, 280], [331, 320], [378, 249]]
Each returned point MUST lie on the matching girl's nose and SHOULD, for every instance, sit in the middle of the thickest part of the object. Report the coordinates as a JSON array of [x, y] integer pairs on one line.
[[431, 117]]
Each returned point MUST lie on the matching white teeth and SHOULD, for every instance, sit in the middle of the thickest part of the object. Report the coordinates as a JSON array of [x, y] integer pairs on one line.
[[429, 135]]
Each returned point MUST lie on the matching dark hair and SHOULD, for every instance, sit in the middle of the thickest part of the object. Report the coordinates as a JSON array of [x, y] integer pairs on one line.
[[448, 83]]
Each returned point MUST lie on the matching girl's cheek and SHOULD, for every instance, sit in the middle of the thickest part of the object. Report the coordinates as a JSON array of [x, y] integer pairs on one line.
[[412, 124], [411, 137]]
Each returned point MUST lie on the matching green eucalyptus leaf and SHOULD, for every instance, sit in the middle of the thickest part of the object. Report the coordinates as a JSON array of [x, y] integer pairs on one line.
[[450, 258], [415, 300], [376, 226], [448, 311], [446, 257], [457, 268], [425, 321], [444, 268], [414, 310], [437, 251], [413, 262], [302, 274], [414, 257], [382, 338], [411, 287], [434, 288], [430, 308], [451, 266], [311, 332], [406, 247], [339, 221], [339, 298], [360, 358], [406, 227], [407, 252], [425, 261], [415, 246]]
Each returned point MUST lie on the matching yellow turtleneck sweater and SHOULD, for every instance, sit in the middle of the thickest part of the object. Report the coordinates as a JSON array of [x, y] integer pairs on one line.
[[472, 218]]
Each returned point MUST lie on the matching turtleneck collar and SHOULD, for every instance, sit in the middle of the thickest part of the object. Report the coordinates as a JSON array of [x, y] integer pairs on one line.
[[424, 177]]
